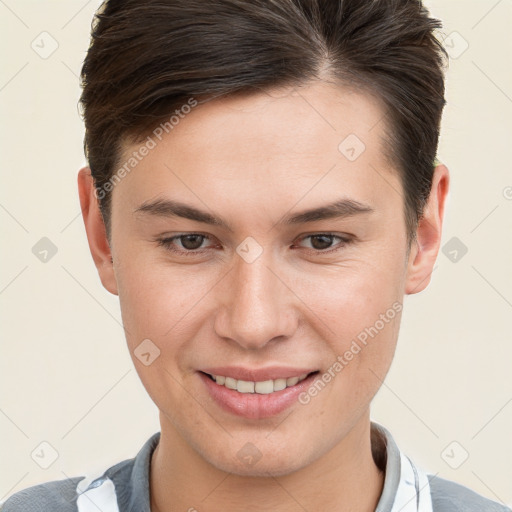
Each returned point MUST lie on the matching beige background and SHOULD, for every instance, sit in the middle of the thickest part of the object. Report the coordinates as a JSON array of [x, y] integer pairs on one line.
[[65, 374]]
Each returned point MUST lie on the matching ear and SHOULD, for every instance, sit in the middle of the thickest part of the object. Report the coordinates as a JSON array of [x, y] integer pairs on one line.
[[95, 229], [425, 250]]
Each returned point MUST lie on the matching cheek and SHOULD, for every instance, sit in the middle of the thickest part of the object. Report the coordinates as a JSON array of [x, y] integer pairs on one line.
[[155, 297], [358, 314], [157, 306], [352, 296]]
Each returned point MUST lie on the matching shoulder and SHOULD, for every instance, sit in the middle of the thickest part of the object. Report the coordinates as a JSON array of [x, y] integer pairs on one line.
[[449, 496], [62, 495], [55, 496], [127, 478]]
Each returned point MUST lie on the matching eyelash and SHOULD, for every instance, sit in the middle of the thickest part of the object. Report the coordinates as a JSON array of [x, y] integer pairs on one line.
[[167, 243]]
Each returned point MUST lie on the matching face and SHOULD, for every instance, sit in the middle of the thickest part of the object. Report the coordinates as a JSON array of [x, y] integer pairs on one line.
[[263, 287]]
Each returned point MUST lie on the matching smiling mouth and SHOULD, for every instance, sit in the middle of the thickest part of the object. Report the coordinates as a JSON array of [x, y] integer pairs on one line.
[[262, 387]]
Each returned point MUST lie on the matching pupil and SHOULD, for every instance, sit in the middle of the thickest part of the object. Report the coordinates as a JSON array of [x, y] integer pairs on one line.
[[326, 238], [186, 238]]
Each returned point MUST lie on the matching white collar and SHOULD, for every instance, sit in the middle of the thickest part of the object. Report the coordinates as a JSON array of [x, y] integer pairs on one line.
[[413, 493]]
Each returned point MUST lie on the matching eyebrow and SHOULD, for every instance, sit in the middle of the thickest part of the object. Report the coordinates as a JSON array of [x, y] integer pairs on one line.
[[170, 208]]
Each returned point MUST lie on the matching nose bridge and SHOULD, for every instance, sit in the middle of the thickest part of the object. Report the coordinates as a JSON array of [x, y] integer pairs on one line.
[[257, 308]]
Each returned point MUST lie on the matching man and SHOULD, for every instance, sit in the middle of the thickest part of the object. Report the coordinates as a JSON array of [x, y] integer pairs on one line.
[[261, 194]]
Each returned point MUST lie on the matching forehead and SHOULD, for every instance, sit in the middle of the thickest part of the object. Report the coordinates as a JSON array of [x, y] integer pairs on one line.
[[305, 120], [279, 144]]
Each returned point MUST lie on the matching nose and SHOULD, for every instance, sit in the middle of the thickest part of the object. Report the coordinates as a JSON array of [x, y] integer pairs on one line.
[[256, 304]]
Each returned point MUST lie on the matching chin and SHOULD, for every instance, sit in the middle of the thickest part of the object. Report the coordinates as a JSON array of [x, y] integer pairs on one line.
[[249, 461]]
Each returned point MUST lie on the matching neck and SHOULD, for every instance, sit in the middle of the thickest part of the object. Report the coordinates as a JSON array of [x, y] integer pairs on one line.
[[344, 479]]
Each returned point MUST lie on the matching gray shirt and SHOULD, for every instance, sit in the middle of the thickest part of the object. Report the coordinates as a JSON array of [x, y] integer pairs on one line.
[[124, 487]]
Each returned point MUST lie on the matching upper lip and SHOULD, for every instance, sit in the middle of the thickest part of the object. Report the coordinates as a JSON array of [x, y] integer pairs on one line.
[[258, 374]]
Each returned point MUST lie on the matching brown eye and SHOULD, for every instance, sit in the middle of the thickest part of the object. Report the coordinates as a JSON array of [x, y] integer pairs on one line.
[[323, 242], [188, 244], [191, 242]]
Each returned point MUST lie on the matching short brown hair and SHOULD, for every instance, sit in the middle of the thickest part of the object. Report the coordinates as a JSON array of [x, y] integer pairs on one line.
[[148, 58]]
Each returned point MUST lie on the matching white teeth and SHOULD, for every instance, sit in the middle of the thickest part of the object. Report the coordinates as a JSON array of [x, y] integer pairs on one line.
[[244, 386], [230, 383], [263, 387], [279, 384]]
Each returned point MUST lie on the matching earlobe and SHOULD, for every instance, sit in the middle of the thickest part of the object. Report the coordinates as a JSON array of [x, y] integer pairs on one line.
[[95, 230], [424, 252]]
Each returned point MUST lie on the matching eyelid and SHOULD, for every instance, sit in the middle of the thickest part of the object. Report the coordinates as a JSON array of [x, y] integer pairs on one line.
[[345, 240]]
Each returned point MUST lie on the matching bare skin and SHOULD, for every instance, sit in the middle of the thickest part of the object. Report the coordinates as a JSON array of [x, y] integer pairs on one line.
[[253, 161]]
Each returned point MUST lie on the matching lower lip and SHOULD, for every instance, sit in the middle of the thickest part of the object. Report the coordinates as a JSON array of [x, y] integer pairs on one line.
[[255, 405]]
